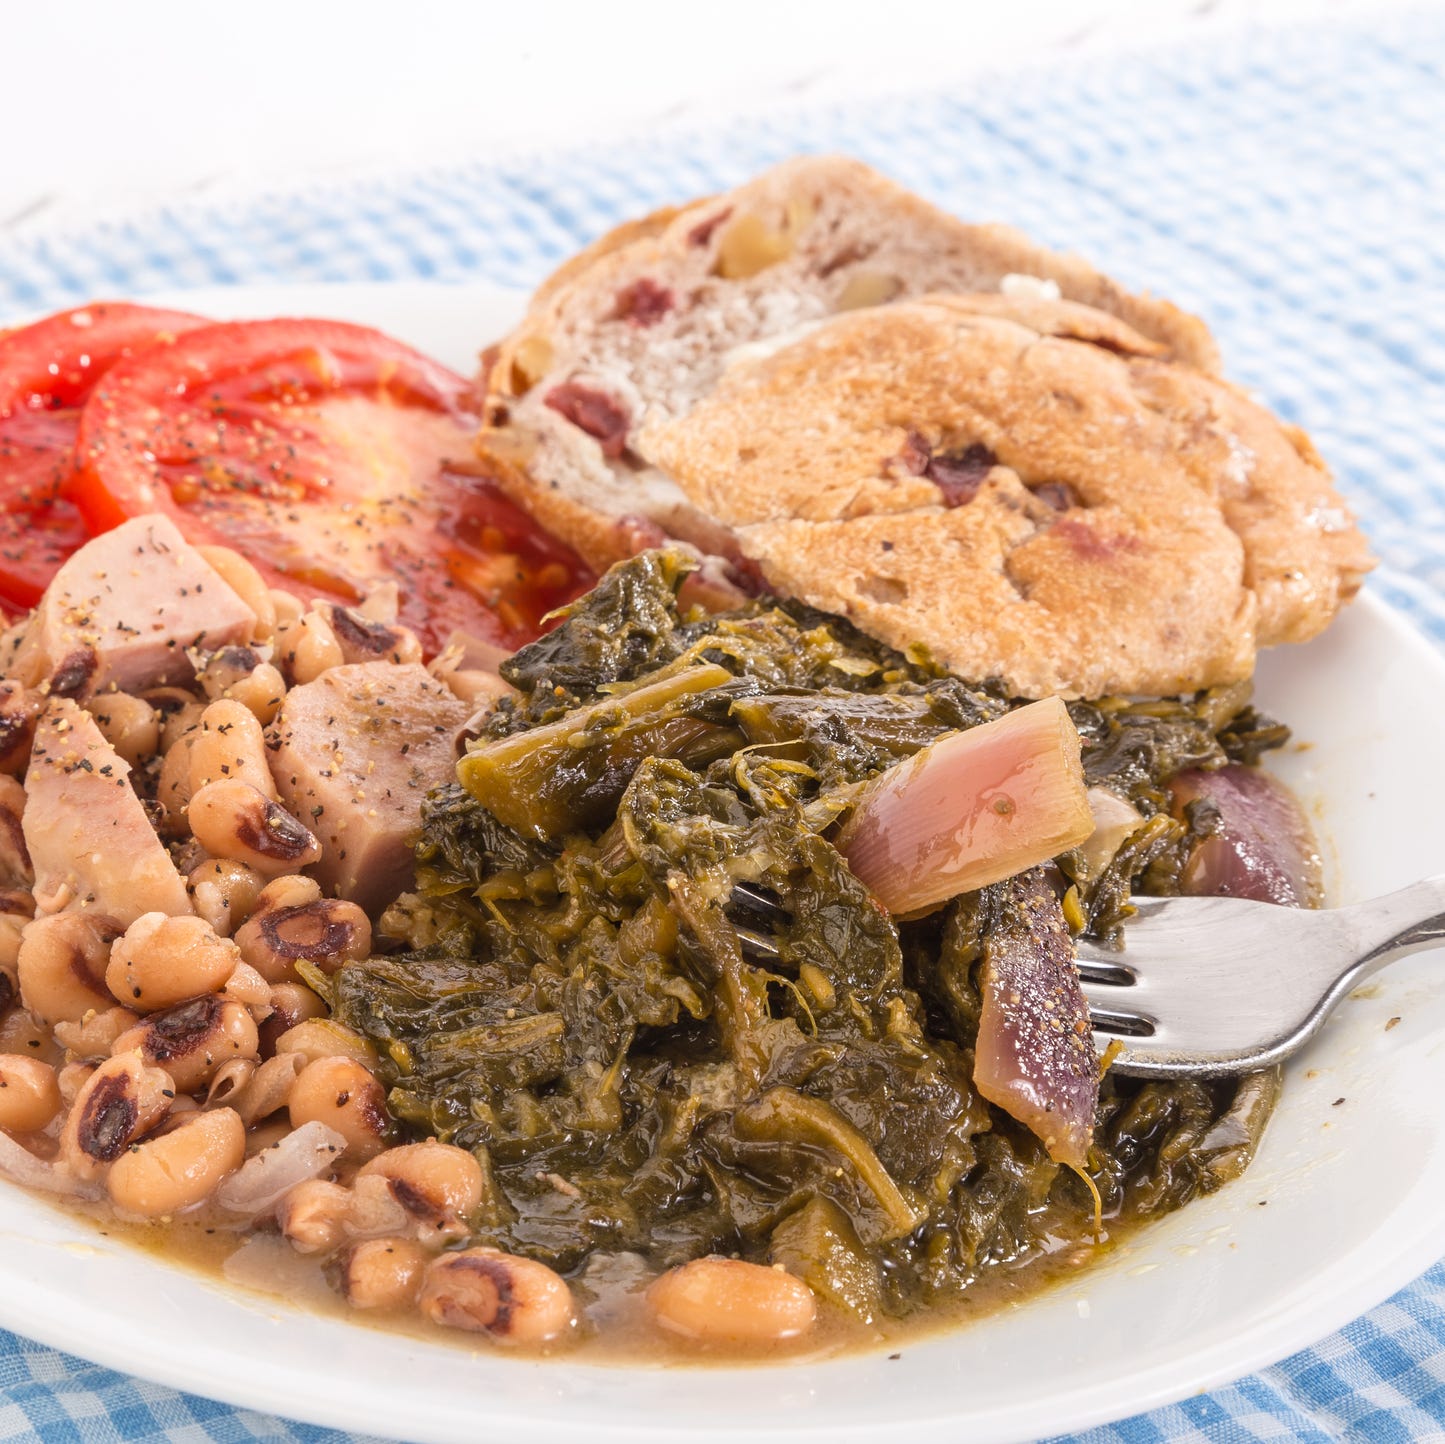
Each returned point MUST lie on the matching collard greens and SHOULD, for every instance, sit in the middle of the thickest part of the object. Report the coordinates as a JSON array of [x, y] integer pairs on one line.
[[575, 1003]]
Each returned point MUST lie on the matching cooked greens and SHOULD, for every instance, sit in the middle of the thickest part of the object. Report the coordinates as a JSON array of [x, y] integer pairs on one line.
[[577, 1003]]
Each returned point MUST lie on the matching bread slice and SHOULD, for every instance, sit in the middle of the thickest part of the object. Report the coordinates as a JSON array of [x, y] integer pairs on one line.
[[648, 318], [1058, 492]]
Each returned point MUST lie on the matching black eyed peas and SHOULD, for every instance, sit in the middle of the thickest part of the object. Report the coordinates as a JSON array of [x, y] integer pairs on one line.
[[511, 1300], [93, 1036], [343, 1095], [121, 1101], [291, 1003], [727, 1301], [62, 965], [192, 1040], [242, 674], [229, 744], [247, 583], [363, 640], [293, 923], [15, 868], [317, 1038], [29, 1094], [180, 1166], [224, 893], [439, 1185], [130, 724], [19, 707], [381, 1273], [308, 647], [233, 819], [163, 960], [313, 1215]]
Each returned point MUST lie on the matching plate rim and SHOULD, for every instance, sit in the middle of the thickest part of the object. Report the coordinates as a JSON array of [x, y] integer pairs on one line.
[[1303, 1322]]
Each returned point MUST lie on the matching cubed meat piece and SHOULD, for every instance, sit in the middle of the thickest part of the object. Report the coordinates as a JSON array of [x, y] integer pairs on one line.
[[88, 835], [353, 754], [123, 611]]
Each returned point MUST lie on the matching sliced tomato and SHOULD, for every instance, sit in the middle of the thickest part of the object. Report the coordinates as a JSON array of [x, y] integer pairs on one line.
[[47, 371], [334, 458]]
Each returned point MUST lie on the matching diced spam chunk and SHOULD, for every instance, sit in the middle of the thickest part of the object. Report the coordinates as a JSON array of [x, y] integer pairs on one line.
[[354, 753], [970, 809], [89, 838], [123, 611]]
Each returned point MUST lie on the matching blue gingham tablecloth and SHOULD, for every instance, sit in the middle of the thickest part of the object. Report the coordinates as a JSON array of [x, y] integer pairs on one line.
[[1288, 184]]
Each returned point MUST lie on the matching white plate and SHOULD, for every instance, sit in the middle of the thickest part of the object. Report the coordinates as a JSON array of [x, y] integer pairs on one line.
[[1341, 1207]]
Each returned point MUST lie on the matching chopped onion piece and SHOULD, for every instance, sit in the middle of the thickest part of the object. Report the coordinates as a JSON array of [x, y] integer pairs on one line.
[[1035, 1055], [1114, 820], [970, 809], [1265, 848], [264, 1179], [21, 1166]]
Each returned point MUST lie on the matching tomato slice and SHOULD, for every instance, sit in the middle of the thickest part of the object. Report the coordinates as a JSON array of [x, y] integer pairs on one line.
[[334, 458], [47, 371]]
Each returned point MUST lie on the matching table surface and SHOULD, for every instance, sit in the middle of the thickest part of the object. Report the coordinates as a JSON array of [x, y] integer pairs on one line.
[[118, 107]]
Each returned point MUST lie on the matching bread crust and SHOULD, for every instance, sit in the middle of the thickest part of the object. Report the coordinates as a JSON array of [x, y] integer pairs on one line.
[[707, 375]]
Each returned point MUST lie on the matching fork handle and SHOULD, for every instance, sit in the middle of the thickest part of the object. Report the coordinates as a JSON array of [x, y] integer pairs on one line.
[[1400, 922]]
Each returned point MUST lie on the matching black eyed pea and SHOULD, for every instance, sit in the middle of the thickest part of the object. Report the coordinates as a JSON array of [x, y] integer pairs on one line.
[[313, 1215], [173, 785], [363, 639], [342, 1094], [93, 1036], [291, 1003], [62, 965], [19, 707], [241, 674], [322, 930], [247, 583], [193, 1040], [317, 1038], [178, 1167], [247, 986], [29, 1093], [230, 744], [121, 1101], [381, 1273], [233, 819], [730, 1302], [512, 1300], [15, 869], [224, 893], [308, 647], [439, 1185], [161, 960], [130, 724]]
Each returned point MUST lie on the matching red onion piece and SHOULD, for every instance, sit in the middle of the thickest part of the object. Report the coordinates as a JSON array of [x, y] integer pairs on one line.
[[1035, 1056], [1265, 848], [970, 809]]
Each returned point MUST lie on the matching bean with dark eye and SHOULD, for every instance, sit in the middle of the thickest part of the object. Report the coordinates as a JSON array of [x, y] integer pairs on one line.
[[193, 1040], [363, 640], [62, 963], [15, 868], [233, 819], [244, 675], [19, 708], [120, 1101], [327, 932]]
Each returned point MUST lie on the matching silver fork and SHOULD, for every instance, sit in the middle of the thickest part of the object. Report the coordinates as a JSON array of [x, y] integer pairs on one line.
[[1216, 985]]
